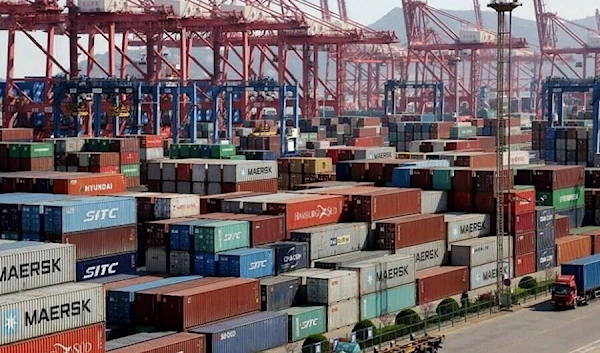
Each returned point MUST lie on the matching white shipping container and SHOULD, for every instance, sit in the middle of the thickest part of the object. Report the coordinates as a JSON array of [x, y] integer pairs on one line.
[[83, 159], [334, 239], [156, 260], [375, 153], [344, 313], [331, 287], [427, 255], [176, 206], [249, 171], [517, 158], [468, 226], [102, 5], [470, 36], [434, 202], [305, 273], [387, 272], [476, 252], [486, 274], [29, 265], [48, 310], [148, 154]]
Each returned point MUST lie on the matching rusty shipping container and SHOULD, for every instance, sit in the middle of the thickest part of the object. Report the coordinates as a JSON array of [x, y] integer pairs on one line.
[[556, 177], [202, 305], [101, 242], [561, 226], [402, 232], [573, 247], [386, 203], [525, 264], [308, 211], [91, 184], [88, 339], [524, 243], [521, 223], [441, 282], [176, 343], [267, 185]]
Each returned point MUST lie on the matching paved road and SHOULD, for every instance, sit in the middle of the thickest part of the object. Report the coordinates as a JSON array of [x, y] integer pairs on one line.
[[537, 329]]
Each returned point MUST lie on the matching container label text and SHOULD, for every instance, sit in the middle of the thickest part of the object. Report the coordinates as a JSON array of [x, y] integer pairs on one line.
[[101, 270], [57, 312], [81, 347], [392, 273], [100, 215], [30, 269]]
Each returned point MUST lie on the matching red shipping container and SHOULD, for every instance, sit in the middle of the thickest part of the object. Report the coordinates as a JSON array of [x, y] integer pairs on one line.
[[463, 180], [149, 141], [441, 282], [422, 179], [462, 201], [485, 202], [132, 182], [402, 232], [267, 186], [519, 201], [202, 305], [89, 339], [184, 171], [556, 177], [562, 227], [310, 211], [131, 157], [461, 145], [107, 170], [102, 242], [16, 134], [89, 184], [103, 159], [524, 243], [521, 223], [385, 203], [525, 264], [476, 160], [39, 164], [175, 343], [130, 282], [573, 247], [124, 145]]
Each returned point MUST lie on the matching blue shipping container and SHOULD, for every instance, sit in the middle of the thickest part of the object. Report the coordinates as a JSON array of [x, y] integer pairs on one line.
[[586, 272], [205, 264], [32, 211], [119, 301], [106, 266], [278, 293], [181, 234], [248, 334], [545, 238], [248, 263], [545, 259], [544, 216], [69, 216], [289, 255]]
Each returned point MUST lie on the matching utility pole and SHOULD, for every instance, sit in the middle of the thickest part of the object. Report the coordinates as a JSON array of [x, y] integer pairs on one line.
[[504, 9]]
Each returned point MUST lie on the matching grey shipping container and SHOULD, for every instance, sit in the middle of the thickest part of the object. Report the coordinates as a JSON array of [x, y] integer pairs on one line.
[[427, 255], [545, 238], [135, 339], [433, 201], [48, 310], [545, 259], [157, 260], [375, 153], [340, 261], [344, 313], [544, 216], [486, 274], [334, 239], [476, 252], [278, 293], [303, 275], [332, 287], [247, 334], [467, 226], [387, 272]]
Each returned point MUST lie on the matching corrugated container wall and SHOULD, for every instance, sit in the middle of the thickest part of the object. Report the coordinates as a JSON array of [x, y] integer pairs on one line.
[[248, 263], [439, 283], [387, 272], [544, 217], [248, 334], [486, 274], [88, 339], [573, 247], [176, 206], [177, 343], [331, 287], [427, 255], [29, 265], [335, 239], [289, 256], [545, 259], [397, 233], [434, 202], [468, 226], [341, 261], [278, 293], [106, 266], [387, 301], [344, 313], [103, 242], [44, 311], [305, 321], [475, 252], [141, 337]]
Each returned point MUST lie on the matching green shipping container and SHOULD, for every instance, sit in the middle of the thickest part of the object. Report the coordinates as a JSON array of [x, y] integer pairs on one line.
[[130, 170], [442, 179], [221, 236], [387, 301], [36, 150], [236, 157], [582, 230], [195, 151], [305, 321], [459, 132], [563, 199], [174, 152], [14, 151], [185, 150], [92, 145], [222, 151]]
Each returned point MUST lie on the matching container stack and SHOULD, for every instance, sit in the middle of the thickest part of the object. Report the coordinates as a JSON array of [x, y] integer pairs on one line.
[[83, 184], [296, 171], [151, 148], [519, 209], [24, 156], [545, 239]]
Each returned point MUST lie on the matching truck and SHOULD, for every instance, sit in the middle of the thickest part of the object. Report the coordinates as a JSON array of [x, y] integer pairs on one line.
[[578, 283]]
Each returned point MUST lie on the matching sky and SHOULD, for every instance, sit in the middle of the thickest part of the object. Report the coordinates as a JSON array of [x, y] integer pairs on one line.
[[30, 62]]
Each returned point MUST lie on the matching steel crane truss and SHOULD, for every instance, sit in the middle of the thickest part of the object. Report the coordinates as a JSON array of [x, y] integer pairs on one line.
[[391, 89]]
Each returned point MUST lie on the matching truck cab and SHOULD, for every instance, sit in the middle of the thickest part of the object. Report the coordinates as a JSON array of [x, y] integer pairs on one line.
[[564, 292]]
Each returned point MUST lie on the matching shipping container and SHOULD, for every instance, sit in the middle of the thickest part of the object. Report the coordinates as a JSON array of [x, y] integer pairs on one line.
[[402, 232], [308, 211], [180, 262], [487, 274], [335, 239], [467, 226], [525, 243], [176, 206], [525, 264], [103, 242], [303, 275], [114, 278], [137, 338], [157, 260], [432, 254], [561, 226], [110, 284], [546, 259], [344, 313], [248, 263], [241, 171], [248, 334], [440, 283], [387, 301], [221, 236], [544, 217], [106, 266], [70, 216], [563, 199], [29, 265], [556, 177], [586, 272], [48, 310], [120, 301], [331, 287], [545, 238], [87, 339], [521, 223], [88, 184], [202, 305], [278, 293], [434, 202], [477, 252], [340, 261], [289, 256], [573, 247], [386, 272], [305, 321], [385, 203], [176, 343]]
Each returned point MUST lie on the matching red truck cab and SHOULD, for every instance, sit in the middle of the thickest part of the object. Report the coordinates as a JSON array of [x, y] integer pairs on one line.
[[564, 292]]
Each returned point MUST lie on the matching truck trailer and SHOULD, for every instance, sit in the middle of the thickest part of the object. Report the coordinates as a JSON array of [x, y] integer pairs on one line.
[[578, 283]]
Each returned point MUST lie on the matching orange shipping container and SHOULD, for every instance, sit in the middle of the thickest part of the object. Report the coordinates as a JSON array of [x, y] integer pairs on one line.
[[573, 247], [89, 339], [308, 211], [442, 282], [525, 264], [402, 232], [176, 343], [89, 184]]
